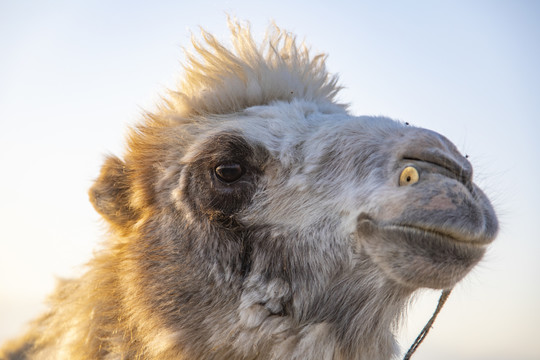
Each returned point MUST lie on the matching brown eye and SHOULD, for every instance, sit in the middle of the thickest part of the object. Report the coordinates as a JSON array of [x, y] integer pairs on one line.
[[229, 173], [408, 176]]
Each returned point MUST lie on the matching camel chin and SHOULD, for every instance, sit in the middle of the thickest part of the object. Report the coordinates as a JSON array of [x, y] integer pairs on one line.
[[416, 257]]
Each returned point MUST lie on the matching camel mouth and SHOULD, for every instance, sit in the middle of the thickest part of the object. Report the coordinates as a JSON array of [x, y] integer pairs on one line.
[[439, 235], [367, 225]]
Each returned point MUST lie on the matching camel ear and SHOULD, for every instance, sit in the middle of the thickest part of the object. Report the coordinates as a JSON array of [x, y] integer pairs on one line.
[[110, 194]]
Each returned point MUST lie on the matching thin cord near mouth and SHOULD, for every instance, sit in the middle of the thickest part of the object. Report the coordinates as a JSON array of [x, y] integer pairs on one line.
[[425, 330]]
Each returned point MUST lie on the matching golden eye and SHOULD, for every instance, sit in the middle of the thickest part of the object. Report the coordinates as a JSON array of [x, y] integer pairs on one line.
[[408, 176]]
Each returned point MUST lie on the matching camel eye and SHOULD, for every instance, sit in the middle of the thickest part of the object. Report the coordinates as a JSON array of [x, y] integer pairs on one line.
[[229, 173], [408, 176]]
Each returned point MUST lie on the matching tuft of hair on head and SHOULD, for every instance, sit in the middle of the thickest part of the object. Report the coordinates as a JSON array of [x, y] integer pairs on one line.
[[222, 81]]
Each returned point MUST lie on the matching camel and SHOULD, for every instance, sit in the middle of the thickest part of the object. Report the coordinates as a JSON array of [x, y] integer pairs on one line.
[[253, 217]]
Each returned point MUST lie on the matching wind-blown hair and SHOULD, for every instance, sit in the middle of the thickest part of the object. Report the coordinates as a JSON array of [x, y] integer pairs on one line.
[[222, 81]]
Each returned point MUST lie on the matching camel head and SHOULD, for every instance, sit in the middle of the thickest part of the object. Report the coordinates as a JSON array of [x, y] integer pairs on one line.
[[293, 225], [253, 216]]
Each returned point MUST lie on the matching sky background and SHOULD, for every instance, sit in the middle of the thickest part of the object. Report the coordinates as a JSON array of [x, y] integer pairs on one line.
[[75, 74]]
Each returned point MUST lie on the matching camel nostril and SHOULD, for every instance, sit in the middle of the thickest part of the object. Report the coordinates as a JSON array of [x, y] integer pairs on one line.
[[465, 174]]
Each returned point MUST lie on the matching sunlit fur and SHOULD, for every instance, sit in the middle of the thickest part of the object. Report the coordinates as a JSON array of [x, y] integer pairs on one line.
[[311, 254]]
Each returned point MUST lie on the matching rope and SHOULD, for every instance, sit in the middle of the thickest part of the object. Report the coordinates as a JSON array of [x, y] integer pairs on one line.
[[425, 330]]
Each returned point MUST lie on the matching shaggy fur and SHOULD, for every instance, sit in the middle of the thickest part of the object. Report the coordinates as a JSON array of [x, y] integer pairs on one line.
[[252, 217]]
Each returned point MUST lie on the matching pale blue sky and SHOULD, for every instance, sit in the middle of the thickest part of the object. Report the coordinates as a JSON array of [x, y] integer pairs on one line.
[[74, 74]]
